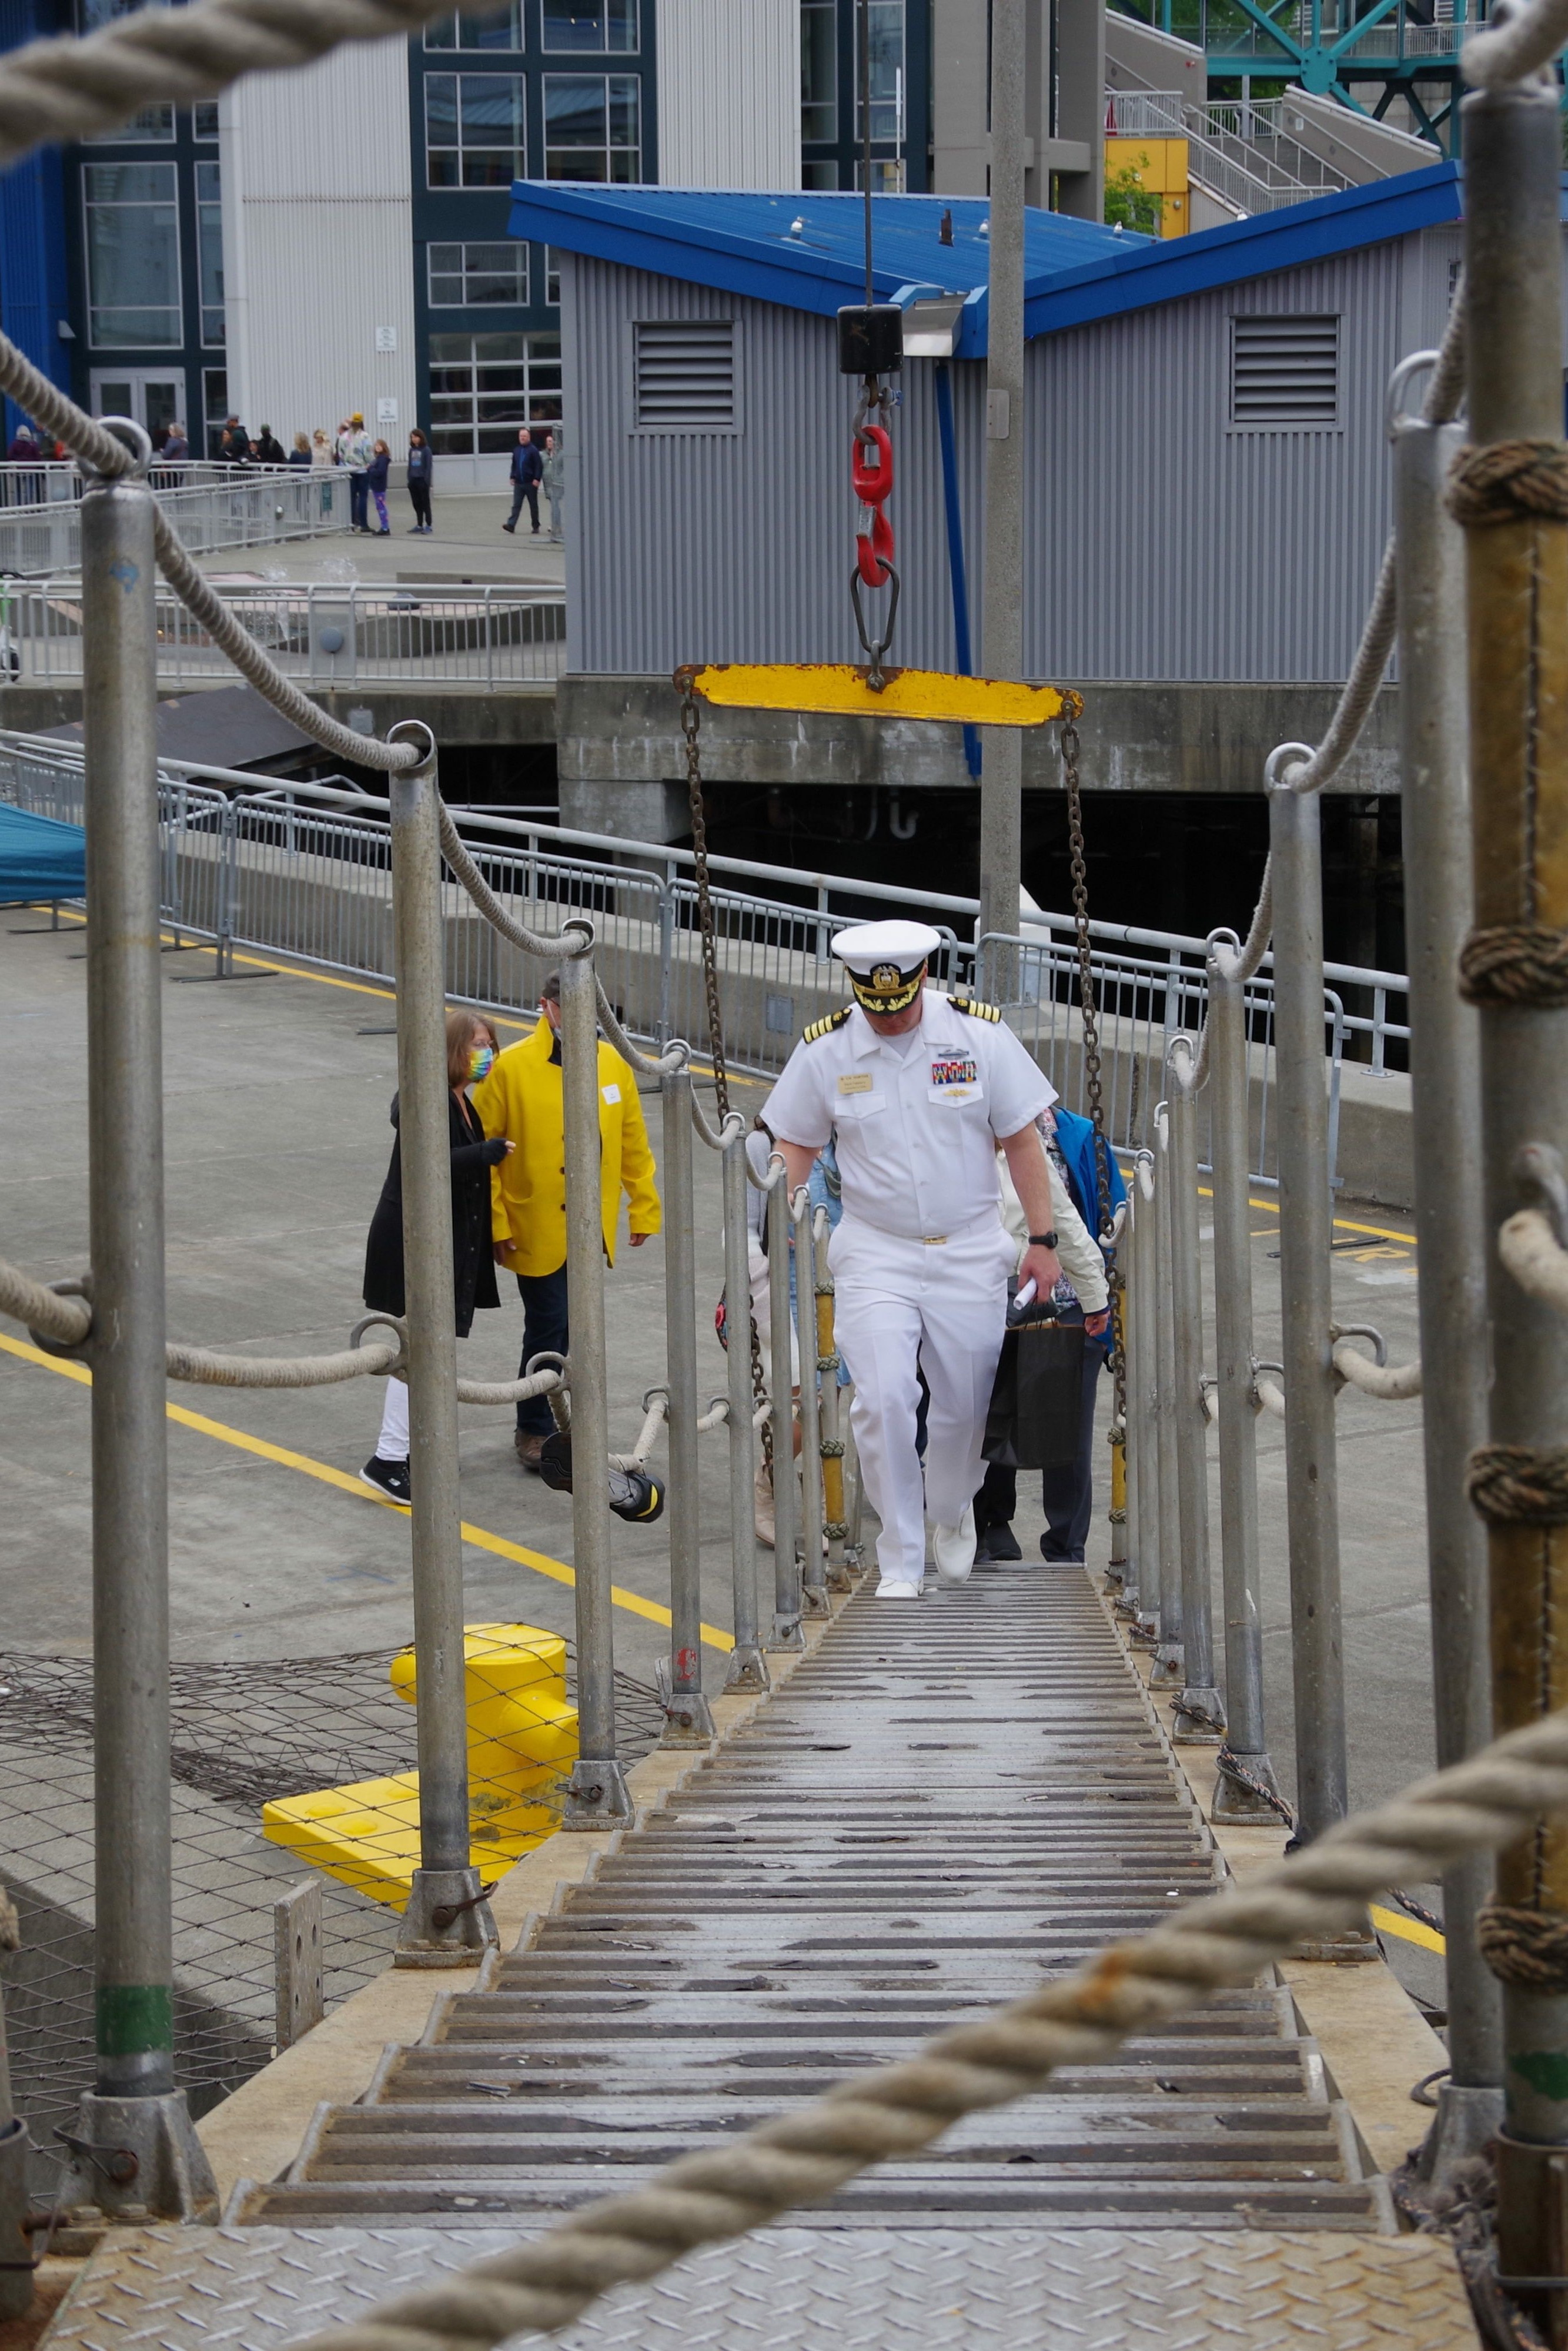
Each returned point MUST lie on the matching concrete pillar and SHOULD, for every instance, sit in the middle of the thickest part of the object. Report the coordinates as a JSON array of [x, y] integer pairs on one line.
[[639, 809]]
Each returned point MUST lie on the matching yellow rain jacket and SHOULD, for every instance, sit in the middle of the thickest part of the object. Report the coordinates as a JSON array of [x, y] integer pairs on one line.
[[521, 1099]]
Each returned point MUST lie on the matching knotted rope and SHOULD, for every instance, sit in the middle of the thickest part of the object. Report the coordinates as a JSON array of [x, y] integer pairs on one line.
[[1529, 1947], [1515, 963], [1520, 1484], [896, 2111], [1509, 481]]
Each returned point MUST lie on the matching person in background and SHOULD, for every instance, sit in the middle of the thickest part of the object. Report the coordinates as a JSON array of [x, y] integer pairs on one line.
[[300, 452], [354, 454], [421, 474], [552, 480], [323, 461], [824, 1190], [269, 449], [470, 1051], [177, 448], [376, 482], [527, 465], [233, 442], [24, 449], [1082, 1295], [522, 1100]]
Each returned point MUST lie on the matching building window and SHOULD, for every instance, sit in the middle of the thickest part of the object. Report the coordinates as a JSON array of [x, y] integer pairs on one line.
[[819, 69], [887, 175], [498, 29], [154, 124], [474, 129], [601, 25], [464, 276], [885, 35], [1284, 372], [819, 174], [210, 249], [552, 277], [482, 387], [682, 375], [215, 405], [132, 227], [592, 128], [205, 120]]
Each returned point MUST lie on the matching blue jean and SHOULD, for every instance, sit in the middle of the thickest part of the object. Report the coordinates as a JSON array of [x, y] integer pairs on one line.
[[521, 490], [544, 1333], [359, 502]]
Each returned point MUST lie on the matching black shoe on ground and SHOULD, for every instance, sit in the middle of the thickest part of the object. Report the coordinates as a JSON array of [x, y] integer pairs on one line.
[[389, 1477], [508, 526], [995, 1546], [1054, 1559]]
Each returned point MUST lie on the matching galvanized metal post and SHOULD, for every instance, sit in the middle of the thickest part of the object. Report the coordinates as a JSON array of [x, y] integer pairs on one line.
[[134, 2104], [15, 2244], [1168, 1671], [1312, 1471], [1142, 1399], [787, 1596], [690, 1721], [596, 1796], [748, 1667], [1517, 564], [1001, 610], [1450, 1227], [1228, 1094], [829, 1412], [813, 1584], [444, 1881], [1199, 1710]]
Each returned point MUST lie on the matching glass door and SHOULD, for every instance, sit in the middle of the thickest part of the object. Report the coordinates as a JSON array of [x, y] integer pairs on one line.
[[153, 396]]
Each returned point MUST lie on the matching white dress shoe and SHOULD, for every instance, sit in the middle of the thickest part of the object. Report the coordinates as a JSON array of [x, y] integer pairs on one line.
[[896, 1590], [953, 1549]]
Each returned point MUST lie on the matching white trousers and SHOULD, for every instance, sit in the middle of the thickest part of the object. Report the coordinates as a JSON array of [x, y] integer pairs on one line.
[[944, 1306], [392, 1444]]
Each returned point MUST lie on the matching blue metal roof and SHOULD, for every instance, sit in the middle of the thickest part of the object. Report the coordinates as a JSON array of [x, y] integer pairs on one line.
[[805, 250]]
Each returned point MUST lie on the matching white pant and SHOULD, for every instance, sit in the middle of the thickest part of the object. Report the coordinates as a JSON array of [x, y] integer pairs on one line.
[[945, 1305], [392, 1444]]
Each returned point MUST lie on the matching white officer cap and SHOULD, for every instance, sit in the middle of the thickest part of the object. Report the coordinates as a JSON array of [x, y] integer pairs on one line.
[[885, 961]]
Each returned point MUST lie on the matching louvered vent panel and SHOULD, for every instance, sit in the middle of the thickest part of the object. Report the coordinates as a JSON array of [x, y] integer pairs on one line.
[[1284, 370], [683, 375]]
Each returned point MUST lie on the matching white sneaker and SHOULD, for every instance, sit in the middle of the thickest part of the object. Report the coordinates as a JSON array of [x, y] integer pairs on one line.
[[953, 1549], [896, 1590]]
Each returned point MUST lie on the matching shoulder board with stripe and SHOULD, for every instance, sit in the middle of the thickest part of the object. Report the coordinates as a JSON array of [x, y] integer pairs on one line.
[[824, 1028], [975, 1009]]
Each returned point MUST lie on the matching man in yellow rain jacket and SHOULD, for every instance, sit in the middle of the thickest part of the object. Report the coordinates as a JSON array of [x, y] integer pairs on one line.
[[521, 1099]]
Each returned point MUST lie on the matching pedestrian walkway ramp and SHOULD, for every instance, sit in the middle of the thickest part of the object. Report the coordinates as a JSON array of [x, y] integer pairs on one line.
[[943, 1801]]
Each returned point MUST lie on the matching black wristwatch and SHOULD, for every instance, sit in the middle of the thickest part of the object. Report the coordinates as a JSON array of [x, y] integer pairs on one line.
[[1043, 1240]]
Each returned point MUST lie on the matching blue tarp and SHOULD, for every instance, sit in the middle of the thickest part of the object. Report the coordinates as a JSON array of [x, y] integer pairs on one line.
[[38, 858]]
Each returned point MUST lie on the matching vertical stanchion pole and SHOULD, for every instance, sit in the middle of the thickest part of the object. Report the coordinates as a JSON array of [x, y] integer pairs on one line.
[[1001, 605], [830, 1411], [445, 1878], [1451, 1223], [134, 2104], [813, 1583], [1229, 1082], [690, 1722], [1142, 1389], [787, 1599], [1311, 1465], [596, 1796], [748, 1667], [1199, 1710], [1168, 1671], [1513, 962]]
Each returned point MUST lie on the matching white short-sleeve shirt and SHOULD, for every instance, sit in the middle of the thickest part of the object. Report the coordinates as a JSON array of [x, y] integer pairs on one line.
[[917, 1124]]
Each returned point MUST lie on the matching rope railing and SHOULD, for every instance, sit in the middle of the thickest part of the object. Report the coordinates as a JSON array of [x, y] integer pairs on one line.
[[898, 2110], [1533, 1255], [44, 1312], [1392, 1382], [1520, 41], [731, 1126]]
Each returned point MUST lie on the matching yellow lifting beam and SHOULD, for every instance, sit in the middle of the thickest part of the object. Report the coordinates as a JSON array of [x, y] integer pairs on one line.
[[838, 687]]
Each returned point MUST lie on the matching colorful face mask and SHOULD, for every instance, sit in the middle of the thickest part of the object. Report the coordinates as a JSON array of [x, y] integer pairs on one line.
[[480, 1062]]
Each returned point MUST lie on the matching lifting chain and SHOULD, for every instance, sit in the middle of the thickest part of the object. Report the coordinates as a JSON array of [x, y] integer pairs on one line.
[[1089, 1008], [690, 721], [875, 547]]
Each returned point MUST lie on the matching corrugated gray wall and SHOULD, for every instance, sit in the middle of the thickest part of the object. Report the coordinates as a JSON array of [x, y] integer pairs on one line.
[[1164, 545]]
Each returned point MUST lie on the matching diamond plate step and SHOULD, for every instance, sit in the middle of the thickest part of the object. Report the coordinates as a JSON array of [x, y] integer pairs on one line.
[[940, 1807]]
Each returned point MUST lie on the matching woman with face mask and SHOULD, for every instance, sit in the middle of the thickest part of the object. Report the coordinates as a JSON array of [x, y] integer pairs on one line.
[[470, 1051]]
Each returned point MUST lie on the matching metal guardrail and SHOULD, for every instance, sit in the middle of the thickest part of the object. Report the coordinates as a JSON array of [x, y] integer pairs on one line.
[[238, 505], [325, 633], [1242, 154]]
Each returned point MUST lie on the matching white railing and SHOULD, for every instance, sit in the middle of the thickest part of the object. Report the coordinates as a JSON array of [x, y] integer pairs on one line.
[[1254, 135], [323, 634], [1146, 114], [1242, 154], [245, 505]]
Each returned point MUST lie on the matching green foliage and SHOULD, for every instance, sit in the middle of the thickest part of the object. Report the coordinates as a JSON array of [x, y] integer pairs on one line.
[[1128, 204]]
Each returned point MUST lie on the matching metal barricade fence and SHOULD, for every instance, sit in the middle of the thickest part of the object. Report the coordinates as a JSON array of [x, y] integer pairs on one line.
[[246, 507]]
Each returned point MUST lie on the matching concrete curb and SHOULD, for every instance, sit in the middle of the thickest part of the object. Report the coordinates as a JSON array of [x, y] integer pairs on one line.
[[256, 2133]]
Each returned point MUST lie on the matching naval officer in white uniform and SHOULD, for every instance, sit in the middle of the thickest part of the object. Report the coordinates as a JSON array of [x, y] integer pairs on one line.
[[919, 1088]]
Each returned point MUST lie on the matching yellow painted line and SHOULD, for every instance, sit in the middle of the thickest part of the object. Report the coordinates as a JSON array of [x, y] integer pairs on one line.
[[908, 694], [1410, 1930], [541, 1563], [1340, 1223]]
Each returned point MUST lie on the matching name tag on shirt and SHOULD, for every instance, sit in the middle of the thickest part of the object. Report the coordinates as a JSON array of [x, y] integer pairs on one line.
[[955, 1078], [613, 1094], [856, 1082]]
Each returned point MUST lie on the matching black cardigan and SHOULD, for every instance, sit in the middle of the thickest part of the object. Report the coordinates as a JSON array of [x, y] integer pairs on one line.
[[473, 1266]]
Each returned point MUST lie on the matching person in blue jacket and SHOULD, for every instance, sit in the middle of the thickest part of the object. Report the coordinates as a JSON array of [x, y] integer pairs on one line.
[[528, 471], [1067, 1495]]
